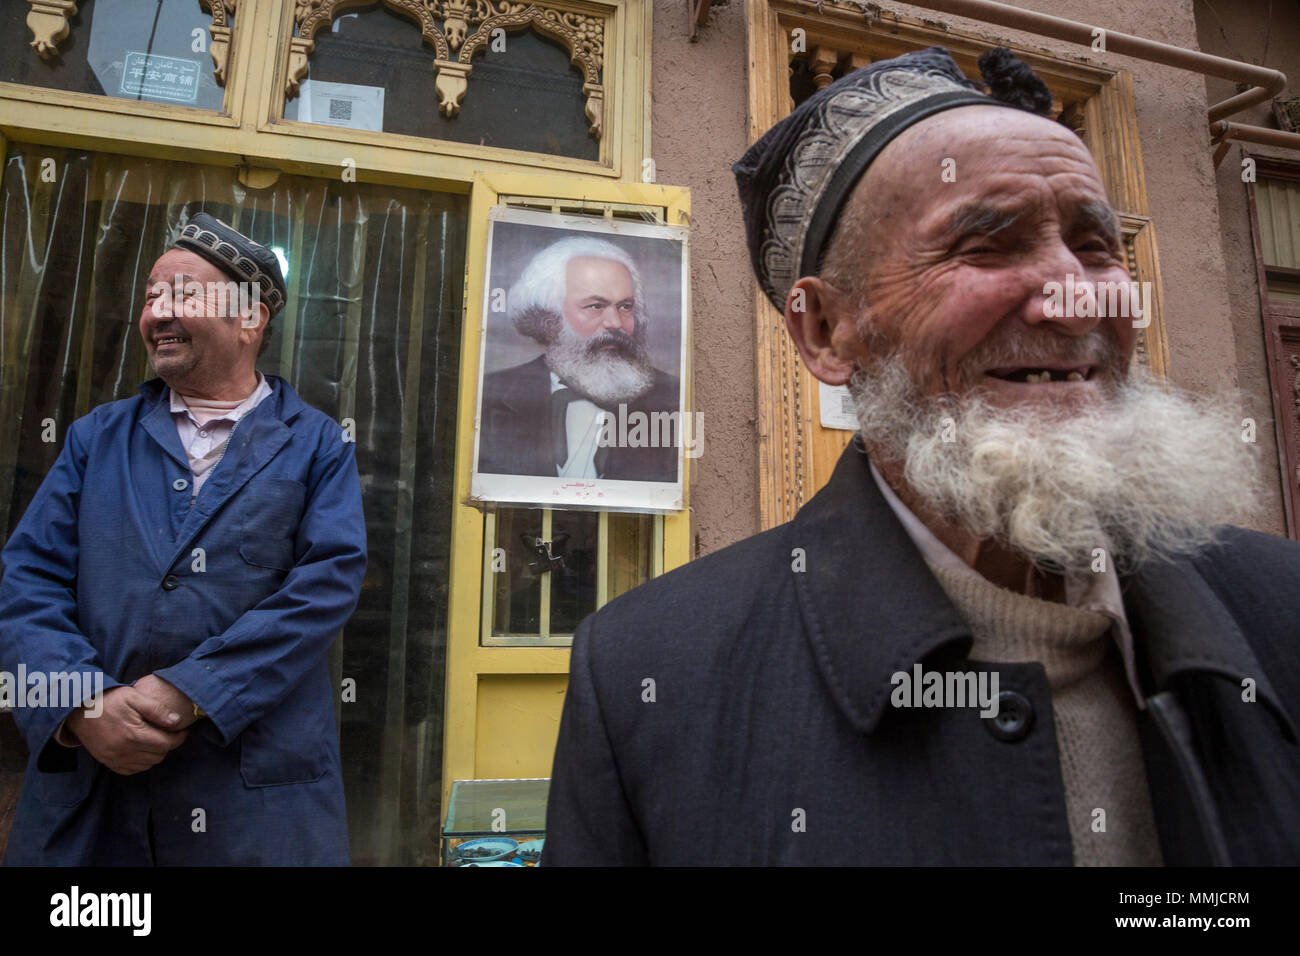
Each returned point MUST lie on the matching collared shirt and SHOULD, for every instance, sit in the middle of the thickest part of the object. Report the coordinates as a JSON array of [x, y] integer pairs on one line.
[[1096, 591], [582, 427], [205, 426]]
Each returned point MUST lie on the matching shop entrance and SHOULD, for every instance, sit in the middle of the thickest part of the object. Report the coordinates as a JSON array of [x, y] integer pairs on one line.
[[371, 332]]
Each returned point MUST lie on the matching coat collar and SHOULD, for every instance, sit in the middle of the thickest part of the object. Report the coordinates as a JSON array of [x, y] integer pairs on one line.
[[254, 441], [284, 400], [861, 636]]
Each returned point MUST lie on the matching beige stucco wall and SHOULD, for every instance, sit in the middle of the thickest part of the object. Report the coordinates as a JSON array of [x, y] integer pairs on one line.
[[698, 129], [1243, 30], [1211, 302]]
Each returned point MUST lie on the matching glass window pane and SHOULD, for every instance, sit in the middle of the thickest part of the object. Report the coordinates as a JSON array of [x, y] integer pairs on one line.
[[139, 50], [629, 551], [573, 587], [517, 603], [373, 71], [523, 595]]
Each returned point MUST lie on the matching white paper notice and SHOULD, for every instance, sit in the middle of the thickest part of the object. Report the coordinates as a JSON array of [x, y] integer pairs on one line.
[[342, 104], [837, 407]]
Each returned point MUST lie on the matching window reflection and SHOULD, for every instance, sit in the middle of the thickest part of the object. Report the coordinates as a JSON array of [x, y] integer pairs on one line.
[[371, 70], [154, 51], [548, 569]]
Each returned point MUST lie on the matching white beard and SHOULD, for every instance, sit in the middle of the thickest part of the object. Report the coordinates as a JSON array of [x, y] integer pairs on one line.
[[606, 378], [1144, 473]]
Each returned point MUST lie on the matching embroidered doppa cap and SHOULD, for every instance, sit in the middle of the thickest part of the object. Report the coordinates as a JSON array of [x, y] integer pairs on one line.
[[236, 255], [796, 178]]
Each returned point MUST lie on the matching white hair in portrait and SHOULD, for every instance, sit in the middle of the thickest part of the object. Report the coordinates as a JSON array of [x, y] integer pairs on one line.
[[539, 292]]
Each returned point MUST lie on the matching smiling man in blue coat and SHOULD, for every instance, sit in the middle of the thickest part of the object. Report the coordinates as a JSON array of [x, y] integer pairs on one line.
[[194, 551]]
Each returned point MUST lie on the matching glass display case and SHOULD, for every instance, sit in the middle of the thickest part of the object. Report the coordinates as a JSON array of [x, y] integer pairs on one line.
[[495, 822]]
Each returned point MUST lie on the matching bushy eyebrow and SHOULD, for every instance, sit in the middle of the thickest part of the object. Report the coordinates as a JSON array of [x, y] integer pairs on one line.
[[978, 218], [982, 219], [151, 282], [1099, 216]]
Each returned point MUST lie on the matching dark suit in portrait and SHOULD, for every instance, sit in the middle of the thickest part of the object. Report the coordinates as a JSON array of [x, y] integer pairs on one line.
[[523, 430]]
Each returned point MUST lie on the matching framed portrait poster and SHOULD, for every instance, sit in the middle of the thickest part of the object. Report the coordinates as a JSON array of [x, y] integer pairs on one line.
[[582, 370]]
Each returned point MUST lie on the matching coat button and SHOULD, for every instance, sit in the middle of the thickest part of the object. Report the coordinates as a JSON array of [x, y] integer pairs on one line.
[[1015, 718], [180, 484], [171, 582]]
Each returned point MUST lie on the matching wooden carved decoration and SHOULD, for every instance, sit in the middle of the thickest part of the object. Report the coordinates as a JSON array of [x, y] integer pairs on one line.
[[48, 21], [459, 29], [824, 60], [1295, 385], [1295, 390], [220, 31]]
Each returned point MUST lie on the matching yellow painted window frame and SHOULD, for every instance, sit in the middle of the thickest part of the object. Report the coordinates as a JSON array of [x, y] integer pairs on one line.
[[796, 454], [467, 657], [249, 132]]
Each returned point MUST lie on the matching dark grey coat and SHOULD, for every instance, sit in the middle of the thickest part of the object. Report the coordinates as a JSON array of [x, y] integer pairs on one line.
[[771, 696], [516, 437]]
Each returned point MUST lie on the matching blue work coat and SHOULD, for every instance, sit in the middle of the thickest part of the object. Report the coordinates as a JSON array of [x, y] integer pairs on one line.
[[234, 597]]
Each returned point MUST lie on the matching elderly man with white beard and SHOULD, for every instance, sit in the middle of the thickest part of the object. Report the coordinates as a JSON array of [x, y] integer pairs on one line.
[[1012, 628], [582, 299]]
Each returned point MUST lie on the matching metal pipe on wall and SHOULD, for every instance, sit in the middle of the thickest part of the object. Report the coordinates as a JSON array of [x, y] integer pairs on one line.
[[1266, 82]]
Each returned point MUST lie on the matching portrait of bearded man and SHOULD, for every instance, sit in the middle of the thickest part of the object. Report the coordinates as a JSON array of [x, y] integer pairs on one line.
[[1022, 504], [583, 300]]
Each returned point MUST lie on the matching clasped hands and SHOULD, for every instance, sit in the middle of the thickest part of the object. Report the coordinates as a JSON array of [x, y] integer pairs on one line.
[[140, 725]]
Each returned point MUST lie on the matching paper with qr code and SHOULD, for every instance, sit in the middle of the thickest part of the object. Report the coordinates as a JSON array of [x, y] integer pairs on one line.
[[837, 407], [342, 104]]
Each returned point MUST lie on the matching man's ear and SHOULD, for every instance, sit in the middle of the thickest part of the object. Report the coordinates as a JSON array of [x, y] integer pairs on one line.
[[251, 323], [814, 311]]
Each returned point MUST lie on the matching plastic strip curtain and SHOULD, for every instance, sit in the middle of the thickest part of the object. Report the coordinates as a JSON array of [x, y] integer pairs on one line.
[[371, 333]]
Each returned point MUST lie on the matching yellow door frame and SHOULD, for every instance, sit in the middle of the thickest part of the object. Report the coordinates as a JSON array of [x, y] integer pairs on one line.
[[467, 660]]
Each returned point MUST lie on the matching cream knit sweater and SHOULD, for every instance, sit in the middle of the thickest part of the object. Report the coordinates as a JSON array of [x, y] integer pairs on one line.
[[1092, 707]]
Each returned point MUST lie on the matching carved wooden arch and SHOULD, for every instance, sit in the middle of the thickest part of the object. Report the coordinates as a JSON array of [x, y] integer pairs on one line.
[[48, 21], [311, 15], [220, 11], [583, 35]]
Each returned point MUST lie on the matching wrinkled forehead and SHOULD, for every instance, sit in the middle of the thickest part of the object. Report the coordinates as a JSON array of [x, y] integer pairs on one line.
[[182, 262], [981, 131], [978, 154]]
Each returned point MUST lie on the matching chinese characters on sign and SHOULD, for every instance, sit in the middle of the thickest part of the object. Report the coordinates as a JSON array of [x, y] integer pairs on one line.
[[152, 77]]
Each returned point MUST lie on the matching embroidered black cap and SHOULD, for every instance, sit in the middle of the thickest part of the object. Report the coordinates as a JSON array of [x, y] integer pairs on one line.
[[795, 179], [236, 255]]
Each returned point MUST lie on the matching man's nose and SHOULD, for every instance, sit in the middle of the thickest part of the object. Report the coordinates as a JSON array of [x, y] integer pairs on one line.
[[1061, 293], [612, 318]]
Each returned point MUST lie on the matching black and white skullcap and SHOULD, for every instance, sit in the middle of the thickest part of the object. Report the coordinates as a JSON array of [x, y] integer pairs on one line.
[[795, 179], [237, 256]]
